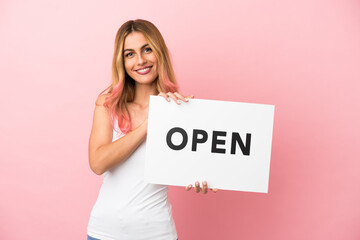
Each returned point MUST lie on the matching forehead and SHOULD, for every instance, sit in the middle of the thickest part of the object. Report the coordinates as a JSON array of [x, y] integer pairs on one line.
[[134, 40]]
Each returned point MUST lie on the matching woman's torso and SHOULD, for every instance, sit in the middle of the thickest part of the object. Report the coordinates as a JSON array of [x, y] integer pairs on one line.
[[129, 208]]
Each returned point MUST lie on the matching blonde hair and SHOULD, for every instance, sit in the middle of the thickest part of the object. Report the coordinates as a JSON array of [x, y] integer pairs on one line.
[[122, 88]]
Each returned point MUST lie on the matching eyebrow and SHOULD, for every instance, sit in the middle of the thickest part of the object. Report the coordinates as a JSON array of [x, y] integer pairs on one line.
[[133, 49]]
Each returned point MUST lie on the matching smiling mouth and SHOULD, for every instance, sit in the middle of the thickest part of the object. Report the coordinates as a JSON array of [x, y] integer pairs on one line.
[[143, 69]]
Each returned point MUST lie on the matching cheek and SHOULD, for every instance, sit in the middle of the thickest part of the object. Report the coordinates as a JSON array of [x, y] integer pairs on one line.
[[153, 58], [155, 67], [127, 66]]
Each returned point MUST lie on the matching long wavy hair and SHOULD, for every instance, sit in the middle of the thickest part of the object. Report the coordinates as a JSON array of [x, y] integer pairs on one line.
[[122, 89]]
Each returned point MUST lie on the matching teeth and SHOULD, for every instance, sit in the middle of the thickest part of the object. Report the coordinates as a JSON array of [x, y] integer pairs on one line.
[[143, 70]]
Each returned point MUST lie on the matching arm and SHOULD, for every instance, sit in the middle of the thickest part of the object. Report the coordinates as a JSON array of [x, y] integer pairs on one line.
[[103, 153]]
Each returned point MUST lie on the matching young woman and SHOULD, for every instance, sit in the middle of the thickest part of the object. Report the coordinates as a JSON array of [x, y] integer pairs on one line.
[[128, 208]]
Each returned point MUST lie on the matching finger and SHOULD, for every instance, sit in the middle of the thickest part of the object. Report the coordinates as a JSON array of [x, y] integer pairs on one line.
[[188, 187], [197, 187], [214, 189], [170, 94], [191, 96], [181, 97], [164, 95], [205, 187]]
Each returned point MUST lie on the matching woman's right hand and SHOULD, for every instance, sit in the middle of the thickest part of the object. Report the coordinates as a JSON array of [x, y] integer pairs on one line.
[[104, 153], [175, 96]]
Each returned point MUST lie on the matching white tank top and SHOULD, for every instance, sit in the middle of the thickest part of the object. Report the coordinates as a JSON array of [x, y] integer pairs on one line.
[[127, 208]]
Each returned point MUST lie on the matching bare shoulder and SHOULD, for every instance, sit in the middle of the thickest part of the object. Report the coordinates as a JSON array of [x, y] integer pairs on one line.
[[101, 119], [101, 132], [101, 99]]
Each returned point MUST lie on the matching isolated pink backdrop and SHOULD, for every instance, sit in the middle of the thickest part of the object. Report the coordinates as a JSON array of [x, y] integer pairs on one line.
[[302, 56]]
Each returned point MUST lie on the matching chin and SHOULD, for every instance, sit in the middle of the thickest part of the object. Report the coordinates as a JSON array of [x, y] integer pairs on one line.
[[147, 82]]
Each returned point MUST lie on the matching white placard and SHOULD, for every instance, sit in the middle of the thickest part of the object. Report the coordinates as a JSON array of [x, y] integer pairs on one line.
[[228, 144]]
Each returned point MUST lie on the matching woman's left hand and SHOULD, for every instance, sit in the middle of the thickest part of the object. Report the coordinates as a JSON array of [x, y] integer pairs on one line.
[[204, 188], [175, 96]]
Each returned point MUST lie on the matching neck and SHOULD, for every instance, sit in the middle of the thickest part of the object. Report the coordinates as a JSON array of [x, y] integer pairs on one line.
[[143, 92]]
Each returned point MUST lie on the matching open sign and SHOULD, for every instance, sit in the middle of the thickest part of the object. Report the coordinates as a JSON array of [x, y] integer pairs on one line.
[[196, 139], [228, 144]]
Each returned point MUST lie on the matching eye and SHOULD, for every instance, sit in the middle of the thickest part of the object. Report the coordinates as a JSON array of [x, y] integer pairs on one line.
[[127, 55], [148, 49]]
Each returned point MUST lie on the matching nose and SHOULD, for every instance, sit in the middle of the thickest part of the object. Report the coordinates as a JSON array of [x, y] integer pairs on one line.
[[141, 60]]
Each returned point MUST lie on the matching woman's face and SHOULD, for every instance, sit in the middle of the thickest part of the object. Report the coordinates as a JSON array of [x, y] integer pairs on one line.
[[138, 55]]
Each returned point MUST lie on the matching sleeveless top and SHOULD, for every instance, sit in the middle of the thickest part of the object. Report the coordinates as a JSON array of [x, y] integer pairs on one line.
[[127, 207]]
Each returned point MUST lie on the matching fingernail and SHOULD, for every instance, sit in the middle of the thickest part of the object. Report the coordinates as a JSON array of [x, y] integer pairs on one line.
[[204, 182], [197, 183], [178, 102]]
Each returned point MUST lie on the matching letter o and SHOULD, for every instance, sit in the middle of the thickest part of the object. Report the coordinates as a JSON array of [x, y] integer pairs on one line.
[[169, 135]]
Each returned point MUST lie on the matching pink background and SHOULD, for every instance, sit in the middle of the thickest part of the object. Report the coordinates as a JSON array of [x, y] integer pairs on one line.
[[302, 56]]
